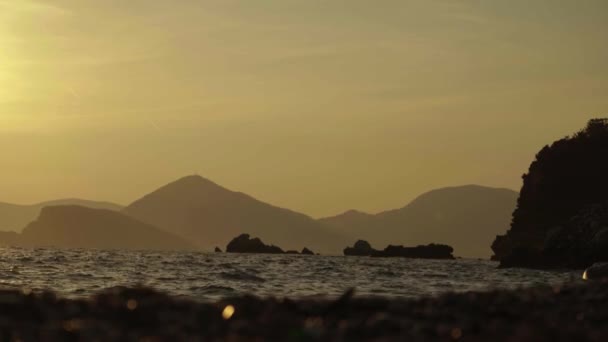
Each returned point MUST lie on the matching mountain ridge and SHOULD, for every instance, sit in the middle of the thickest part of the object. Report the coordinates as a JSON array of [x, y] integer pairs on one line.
[[73, 226], [210, 215], [434, 216], [13, 217]]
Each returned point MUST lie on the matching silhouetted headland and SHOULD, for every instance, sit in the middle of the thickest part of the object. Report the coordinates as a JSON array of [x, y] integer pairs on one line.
[[9, 239], [81, 227], [561, 220], [430, 251], [13, 217]]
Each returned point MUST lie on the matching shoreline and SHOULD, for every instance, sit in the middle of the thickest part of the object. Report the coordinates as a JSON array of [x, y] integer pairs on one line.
[[576, 311]]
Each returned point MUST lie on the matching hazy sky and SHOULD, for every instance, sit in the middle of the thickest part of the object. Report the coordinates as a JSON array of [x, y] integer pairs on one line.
[[319, 106]]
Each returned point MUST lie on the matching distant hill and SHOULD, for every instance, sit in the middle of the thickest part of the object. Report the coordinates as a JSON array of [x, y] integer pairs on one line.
[[81, 227], [13, 217], [209, 215], [9, 239], [466, 217]]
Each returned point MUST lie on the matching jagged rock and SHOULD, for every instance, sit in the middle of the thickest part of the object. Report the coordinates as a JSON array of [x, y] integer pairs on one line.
[[361, 248], [307, 251], [218, 250], [561, 220], [431, 251], [244, 244]]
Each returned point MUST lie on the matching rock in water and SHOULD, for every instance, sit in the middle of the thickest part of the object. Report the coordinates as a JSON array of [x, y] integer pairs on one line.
[[218, 250], [431, 251], [361, 248], [596, 271], [307, 251], [244, 244]]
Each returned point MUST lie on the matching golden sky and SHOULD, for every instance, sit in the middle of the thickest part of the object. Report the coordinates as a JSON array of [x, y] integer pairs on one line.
[[319, 106]]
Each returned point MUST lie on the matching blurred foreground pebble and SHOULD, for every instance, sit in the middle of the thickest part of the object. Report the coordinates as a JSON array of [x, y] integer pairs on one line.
[[577, 312]]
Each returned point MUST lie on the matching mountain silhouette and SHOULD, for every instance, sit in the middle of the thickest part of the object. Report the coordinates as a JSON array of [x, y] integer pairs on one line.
[[466, 217], [81, 227], [9, 238], [209, 215], [13, 217]]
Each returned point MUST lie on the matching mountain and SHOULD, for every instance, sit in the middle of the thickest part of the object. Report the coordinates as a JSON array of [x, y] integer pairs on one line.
[[351, 221], [466, 217], [81, 227], [13, 217], [209, 215]]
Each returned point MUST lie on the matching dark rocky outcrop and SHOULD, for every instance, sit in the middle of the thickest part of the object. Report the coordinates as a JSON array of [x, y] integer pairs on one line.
[[217, 250], [307, 251], [245, 244], [361, 248], [561, 220], [431, 251]]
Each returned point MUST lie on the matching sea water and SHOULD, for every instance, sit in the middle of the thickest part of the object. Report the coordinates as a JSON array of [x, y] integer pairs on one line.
[[210, 276]]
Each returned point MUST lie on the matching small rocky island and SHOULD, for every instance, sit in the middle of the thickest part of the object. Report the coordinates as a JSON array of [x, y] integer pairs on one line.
[[561, 220], [431, 251], [245, 244]]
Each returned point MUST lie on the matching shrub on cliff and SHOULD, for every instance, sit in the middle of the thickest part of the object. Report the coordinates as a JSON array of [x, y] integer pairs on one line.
[[566, 177]]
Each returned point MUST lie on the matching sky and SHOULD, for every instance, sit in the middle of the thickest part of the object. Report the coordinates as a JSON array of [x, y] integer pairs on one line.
[[318, 106]]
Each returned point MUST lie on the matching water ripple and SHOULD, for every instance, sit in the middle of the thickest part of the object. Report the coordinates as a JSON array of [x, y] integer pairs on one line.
[[78, 272]]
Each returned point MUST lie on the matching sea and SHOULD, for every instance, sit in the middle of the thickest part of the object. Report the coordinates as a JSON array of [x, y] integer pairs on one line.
[[212, 276]]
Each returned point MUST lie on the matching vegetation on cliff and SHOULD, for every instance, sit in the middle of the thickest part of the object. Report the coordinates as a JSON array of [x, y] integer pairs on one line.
[[565, 182]]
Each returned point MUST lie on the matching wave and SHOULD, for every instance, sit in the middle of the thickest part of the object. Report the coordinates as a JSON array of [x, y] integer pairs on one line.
[[241, 275]]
